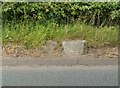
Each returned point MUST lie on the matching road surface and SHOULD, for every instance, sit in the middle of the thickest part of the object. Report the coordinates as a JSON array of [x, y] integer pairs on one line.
[[77, 75]]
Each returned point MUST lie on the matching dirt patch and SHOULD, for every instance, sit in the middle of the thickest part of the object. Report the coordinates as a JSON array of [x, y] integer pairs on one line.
[[19, 51], [111, 52]]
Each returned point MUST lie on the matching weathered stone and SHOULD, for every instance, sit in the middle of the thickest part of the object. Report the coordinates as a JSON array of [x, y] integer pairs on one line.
[[73, 47], [0, 50], [49, 46]]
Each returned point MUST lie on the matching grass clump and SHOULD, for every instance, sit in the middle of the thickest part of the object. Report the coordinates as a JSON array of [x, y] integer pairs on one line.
[[33, 35]]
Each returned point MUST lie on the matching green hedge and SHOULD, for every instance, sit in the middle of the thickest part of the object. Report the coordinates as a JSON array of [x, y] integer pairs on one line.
[[94, 13]]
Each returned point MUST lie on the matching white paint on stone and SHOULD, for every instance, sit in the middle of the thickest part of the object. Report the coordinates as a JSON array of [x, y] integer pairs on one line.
[[73, 47]]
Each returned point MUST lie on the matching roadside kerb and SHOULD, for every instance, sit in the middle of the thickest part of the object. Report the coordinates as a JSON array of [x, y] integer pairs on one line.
[[64, 60]]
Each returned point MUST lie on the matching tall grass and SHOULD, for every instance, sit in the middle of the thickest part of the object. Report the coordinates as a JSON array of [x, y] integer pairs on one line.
[[33, 35]]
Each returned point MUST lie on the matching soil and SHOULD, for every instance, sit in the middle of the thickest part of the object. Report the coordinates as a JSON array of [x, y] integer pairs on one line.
[[19, 51]]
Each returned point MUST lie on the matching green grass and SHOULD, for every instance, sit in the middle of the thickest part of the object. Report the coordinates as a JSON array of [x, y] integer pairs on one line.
[[34, 35]]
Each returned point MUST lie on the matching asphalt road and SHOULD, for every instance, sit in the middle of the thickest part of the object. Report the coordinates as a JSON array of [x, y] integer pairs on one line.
[[60, 76]]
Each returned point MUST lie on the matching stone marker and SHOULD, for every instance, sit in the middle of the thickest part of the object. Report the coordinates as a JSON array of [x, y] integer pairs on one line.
[[49, 46], [0, 50], [73, 47]]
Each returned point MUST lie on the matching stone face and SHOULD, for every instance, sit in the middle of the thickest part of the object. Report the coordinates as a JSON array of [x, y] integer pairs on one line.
[[50, 46], [73, 47], [0, 50]]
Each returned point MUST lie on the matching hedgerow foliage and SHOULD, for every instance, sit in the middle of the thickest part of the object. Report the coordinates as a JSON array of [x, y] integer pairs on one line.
[[94, 13]]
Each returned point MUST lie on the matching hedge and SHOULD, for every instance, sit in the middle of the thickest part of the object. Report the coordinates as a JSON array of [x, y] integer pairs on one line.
[[94, 13]]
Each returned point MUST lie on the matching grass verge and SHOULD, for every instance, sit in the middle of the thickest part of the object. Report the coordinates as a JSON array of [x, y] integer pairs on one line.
[[33, 35]]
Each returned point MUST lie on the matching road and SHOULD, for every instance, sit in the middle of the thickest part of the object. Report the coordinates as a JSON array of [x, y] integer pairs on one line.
[[77, 75]]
